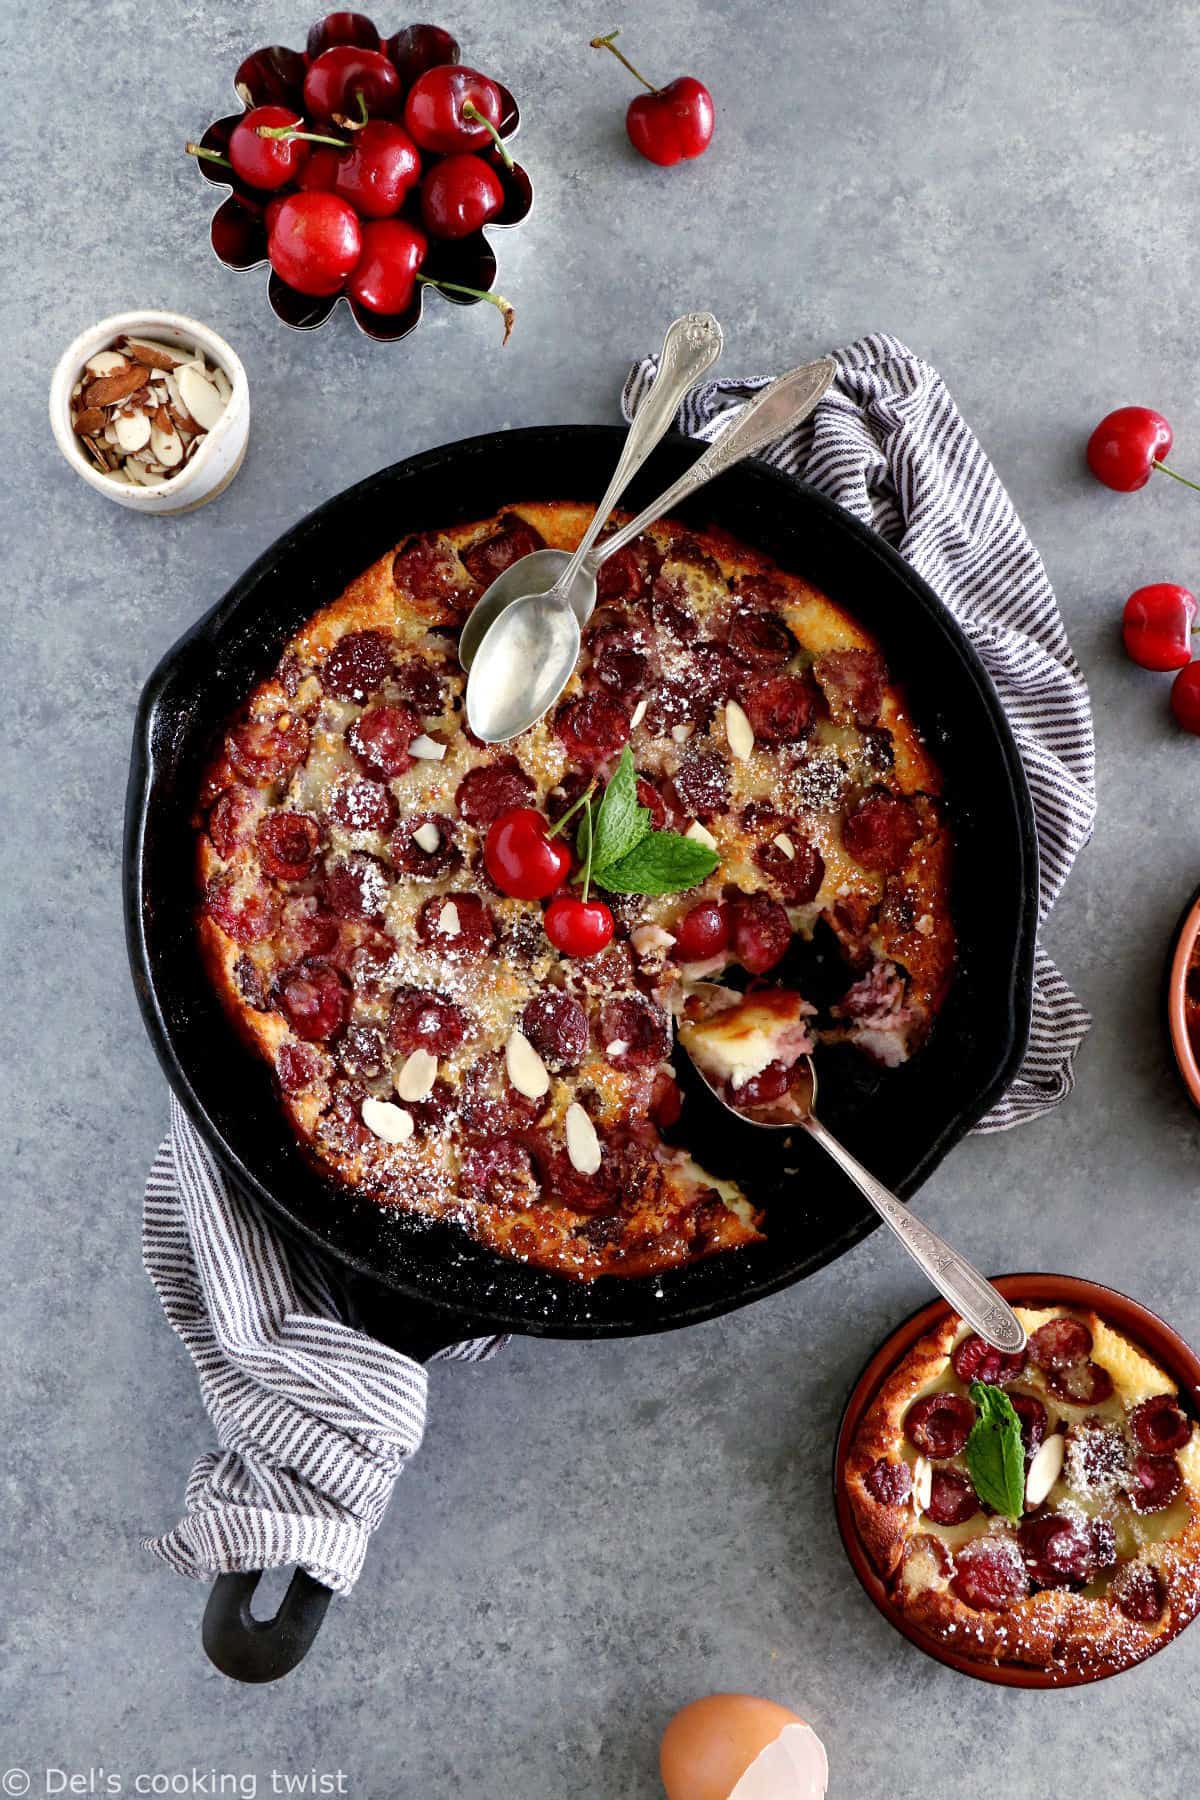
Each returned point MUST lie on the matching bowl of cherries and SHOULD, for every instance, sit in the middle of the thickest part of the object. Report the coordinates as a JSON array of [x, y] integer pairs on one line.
[[365, 169]]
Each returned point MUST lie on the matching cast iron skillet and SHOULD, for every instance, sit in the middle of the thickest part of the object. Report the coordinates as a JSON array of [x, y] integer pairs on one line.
[[426, 1285]]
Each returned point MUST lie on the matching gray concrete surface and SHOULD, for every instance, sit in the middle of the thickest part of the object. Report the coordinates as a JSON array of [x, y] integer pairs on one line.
[[592, 1534]]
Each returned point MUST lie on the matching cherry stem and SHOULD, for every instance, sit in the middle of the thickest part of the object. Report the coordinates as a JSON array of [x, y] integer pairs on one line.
[[572, 810], [505, 307], [289, 135], [471, 111], [587, 860], [347, 122], [1175, 476], [610, 43], [208, 155]]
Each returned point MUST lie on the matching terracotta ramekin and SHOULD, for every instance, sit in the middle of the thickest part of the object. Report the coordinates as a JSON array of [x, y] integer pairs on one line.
[[1177, 973], [1136, 1321]]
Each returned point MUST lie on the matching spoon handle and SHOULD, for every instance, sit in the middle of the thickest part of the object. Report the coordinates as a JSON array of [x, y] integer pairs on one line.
[[779, 408], [970, 1294], [691, 346]]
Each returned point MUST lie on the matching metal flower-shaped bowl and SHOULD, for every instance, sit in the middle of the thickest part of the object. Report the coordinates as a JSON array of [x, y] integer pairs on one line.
[[275, 76]]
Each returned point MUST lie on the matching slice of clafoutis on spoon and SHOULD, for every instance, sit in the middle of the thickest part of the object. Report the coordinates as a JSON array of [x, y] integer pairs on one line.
[[690, 348], [528, 653], [752, 1052]]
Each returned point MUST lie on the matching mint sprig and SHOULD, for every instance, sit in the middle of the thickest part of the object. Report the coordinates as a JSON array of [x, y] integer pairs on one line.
[[620, 850], [995, 1453]]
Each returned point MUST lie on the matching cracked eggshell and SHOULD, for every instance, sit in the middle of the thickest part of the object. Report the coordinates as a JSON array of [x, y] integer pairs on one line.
[[735, 1745]]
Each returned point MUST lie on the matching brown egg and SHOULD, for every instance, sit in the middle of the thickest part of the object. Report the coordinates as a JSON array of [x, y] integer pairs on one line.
[[709, 1745]]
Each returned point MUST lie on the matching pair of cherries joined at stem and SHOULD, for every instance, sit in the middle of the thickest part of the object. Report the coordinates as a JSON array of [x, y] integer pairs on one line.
[[1124, 451], [528, 860]]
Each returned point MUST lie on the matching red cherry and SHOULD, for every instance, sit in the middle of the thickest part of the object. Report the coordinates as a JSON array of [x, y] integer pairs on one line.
[[672, 124], [418, 48], [384, 276], [1185, 698], [669, 124], [378, 170], [1156, 626], [702, 932], [338, 76], [315, 242], [441, 109], [268, 162], [578, 927], [459, 195], [521, 859], [320, 171], [1125, 446]]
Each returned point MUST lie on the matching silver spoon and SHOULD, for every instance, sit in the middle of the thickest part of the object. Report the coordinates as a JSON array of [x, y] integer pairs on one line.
[[971, 1294], [530, 650], [690, 348]]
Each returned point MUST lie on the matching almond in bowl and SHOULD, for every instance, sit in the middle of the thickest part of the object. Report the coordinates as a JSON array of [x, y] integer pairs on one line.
[[153, 410], [1030, 1520]]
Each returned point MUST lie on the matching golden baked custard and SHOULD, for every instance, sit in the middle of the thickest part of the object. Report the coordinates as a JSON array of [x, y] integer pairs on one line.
[[433, 1048], [1090, 1553]]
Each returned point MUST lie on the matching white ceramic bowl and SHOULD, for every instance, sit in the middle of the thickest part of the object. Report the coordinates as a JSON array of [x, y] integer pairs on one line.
[[219, 457]]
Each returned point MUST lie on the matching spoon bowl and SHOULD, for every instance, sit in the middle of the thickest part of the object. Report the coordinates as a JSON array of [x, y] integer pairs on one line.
[[535, 573], [522, 675], [971, 1294]]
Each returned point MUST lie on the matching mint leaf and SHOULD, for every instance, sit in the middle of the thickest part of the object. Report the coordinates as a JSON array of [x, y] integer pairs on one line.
[[995, 1453], [621, 822], [662, 862]]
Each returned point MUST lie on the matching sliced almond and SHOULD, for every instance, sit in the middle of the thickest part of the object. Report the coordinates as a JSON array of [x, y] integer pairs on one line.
[[646, 939], [1045, 1469], [133, 431], [141, 474], [427, 837], [200, 397], [922, 1484], [89, 421], [638, 714], [681, 733], [106, 362], [738, 731], [415, 1080], [449, 923], [383, 1120], [583, 1146], [150, 354], [526, 1070], [426, 748], [167, 446], [221, 383], [617, 1047], [783, 842], [106, 390], [699, 834]]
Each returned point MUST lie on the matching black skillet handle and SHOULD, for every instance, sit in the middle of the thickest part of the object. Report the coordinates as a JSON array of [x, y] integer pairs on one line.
[[255, 1650]]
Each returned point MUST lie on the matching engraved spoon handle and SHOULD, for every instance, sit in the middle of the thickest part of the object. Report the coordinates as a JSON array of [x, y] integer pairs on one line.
[[970, 1294], [691, 346], [778, 408]]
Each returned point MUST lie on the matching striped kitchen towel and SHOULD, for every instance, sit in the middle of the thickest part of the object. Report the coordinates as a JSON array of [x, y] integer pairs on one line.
[[314, 1419], [888, 443]]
